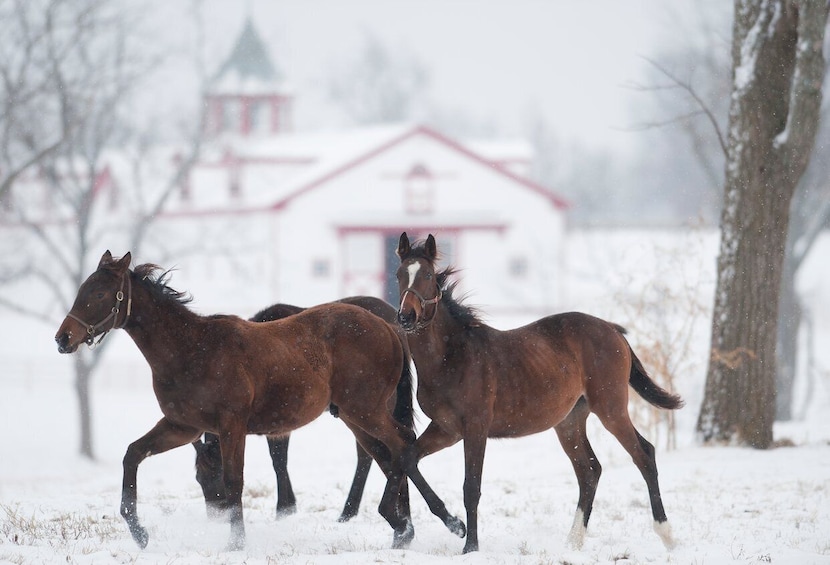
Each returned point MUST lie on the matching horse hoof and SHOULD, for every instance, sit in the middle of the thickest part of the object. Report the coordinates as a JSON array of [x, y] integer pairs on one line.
[[663, 529], [470, 546], [140, 536], [216, 511], [286, 511], [346, 516], [235, 545], [402, 539], [456, 526]]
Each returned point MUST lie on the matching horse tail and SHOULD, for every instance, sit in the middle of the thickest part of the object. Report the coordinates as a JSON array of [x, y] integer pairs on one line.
[[404, 410], [648, 389]]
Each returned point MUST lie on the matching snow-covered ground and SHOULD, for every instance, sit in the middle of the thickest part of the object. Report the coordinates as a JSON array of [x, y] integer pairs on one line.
[[726, 505]]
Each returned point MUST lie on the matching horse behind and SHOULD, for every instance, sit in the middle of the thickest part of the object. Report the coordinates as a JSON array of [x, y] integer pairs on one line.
[[209, 459], [476, 382], [233, 377]]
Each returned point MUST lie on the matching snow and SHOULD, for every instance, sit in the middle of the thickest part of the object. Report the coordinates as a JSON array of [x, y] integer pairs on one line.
[[725, 504]]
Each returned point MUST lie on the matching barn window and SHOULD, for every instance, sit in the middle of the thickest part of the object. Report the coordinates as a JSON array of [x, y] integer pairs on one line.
[[320, 268], [518, 267], [234, 182], [419, 190]]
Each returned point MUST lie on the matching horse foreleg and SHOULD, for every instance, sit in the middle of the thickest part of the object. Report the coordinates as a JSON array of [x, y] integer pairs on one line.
[[433, 439], [361, 474], [163, 437], [573, 436], [286, 501], [232, 444], [474, 446]]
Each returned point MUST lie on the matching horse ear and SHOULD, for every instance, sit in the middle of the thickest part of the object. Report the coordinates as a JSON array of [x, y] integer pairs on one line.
[[403, 246], [106, 259], [124, 263], [431, 248]]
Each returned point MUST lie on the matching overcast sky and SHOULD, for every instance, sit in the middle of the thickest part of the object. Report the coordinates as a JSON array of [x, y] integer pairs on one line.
[[499, 61]]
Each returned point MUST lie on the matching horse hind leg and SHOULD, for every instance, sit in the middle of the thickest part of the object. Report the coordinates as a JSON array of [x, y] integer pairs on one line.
[[361, 474], [642, 453], [661, 523], [390, 506], [209, 475], [573, 436], [397, 443], [286, 501]]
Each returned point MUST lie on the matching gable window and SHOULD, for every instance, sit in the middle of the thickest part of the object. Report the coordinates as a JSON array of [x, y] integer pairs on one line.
[[258, 112], [231, 115], [419, 190]]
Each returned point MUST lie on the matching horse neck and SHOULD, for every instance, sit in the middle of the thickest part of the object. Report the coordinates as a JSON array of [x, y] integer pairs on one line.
[[160, 327], [428, 345]]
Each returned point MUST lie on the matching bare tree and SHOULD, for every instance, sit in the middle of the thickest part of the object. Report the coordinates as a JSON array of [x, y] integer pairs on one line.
[[26, 90], [84, 71], [778, 70], [692, 89]]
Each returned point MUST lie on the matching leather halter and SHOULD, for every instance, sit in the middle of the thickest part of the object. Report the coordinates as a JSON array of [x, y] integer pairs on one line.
[[92, 329], [424, 303]]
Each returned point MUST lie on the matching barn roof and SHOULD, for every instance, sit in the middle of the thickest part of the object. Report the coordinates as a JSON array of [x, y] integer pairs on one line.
[[327, 170]]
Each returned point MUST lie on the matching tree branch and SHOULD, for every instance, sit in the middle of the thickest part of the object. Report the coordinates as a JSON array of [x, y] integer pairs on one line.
[[698, 100]]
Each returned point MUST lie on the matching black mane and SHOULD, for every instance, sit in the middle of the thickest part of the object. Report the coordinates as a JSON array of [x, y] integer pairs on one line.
[[155, 280], [468, 316]]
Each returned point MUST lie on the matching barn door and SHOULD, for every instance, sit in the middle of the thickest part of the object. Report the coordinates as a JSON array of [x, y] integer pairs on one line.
[[363, 269]]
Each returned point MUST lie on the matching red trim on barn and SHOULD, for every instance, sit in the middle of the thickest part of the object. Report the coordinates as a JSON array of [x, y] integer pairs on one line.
[[555, 200], [396, 229]]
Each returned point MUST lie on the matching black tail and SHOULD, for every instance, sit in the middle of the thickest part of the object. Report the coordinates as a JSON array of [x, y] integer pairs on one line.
[[404, 411], [648, 389]]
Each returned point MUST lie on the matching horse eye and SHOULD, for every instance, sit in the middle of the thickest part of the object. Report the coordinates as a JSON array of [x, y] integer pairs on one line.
[[429, 276], [100, 295]]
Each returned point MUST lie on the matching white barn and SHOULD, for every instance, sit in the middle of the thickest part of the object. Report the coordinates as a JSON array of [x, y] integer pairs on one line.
[[312, 217]]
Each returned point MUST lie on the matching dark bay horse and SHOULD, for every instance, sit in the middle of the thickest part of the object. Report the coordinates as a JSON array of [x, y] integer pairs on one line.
[[233, 377], [476, 382], [209, 459]]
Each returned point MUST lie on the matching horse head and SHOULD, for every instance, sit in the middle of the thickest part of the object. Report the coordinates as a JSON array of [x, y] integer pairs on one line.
[[99, 306], [417, 283]]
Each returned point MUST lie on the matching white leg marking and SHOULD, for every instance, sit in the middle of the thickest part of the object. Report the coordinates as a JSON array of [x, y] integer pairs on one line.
[[663, 529], [577, 534]]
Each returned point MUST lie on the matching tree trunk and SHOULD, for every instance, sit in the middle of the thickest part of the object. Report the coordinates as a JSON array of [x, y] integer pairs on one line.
[[789, 322], [83, 372], [778, 68]]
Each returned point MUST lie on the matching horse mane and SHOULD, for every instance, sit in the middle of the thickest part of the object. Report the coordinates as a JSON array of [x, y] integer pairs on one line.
[[468, 316], [155, 279]]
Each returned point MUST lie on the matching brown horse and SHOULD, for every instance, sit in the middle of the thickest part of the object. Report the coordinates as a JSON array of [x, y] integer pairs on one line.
[[209, 459], [476, 382], [233, 377]]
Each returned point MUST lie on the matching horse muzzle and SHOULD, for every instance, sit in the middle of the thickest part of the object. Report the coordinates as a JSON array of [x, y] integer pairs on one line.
[[408, 321], [66, 337], [63, 344]]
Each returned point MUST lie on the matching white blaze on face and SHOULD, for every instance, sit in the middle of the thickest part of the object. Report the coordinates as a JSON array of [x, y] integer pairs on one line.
[[411, 271]]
